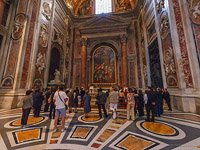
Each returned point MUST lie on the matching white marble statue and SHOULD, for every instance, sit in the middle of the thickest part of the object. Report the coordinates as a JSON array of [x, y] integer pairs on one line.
[[57, 75]]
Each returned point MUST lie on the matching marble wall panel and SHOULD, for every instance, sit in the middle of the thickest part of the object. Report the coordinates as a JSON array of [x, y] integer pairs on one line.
[[29, 44], [138, 55], [16, 40], [132, 78], [168, 52], [183, 46], [43, 39], [130, 42]]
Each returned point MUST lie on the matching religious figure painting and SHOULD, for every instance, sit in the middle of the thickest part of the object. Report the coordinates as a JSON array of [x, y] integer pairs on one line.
[[104, 65]]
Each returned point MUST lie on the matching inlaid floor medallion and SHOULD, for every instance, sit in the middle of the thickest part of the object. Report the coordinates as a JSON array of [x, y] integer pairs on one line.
[[92, 118], [161, 130]]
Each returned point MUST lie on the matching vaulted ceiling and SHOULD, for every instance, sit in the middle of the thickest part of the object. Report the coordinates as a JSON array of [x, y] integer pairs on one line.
[[86, 7]]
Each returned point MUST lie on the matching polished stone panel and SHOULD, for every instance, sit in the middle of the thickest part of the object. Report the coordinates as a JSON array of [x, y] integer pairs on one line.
[[27, 135], [105, 135], [132, 142], [31, 120], [158, 128], [81, 132]]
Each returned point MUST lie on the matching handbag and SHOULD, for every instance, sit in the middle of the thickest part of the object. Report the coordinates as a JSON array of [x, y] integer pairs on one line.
[[66, 107]]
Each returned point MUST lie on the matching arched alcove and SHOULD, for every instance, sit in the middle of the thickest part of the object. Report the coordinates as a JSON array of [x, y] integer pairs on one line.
[[54, 62]]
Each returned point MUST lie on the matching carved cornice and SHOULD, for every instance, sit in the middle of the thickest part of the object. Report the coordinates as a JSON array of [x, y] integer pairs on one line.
[[105, 25]]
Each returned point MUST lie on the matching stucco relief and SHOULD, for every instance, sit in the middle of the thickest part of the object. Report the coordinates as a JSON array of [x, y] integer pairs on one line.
[[40, 62], [43, 40], [183, 46], [7, 82], [164, 25], [170, 67], [46, 10], [18, 27], [194, 10], [58, 37]]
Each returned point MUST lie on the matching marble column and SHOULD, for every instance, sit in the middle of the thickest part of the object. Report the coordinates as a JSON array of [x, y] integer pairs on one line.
[[1, 10], [83, 61], [124, 60]]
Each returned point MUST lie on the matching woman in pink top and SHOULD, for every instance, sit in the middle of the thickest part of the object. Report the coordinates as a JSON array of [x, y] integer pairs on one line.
[[130, 104]]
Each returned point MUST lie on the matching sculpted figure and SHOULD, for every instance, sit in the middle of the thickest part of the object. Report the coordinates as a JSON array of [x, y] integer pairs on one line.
[[57, 75], [196, 9], [47, 11], [40, 62]]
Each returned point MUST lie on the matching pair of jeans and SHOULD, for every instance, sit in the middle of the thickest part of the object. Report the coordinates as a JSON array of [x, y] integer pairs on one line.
[[25, 114]]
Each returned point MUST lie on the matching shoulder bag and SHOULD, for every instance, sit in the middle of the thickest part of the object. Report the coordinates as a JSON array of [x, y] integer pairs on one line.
[[66, 107]]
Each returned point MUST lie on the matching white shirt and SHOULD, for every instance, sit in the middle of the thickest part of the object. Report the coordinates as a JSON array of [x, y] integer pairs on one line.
[[59, 104], [145, 98]]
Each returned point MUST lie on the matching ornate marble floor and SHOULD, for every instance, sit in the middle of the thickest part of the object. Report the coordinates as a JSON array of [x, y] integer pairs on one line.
[[172, 131]]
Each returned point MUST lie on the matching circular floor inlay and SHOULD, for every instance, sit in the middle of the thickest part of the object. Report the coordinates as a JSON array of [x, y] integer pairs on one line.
[[92, 118], [159, 128], [31, 121]]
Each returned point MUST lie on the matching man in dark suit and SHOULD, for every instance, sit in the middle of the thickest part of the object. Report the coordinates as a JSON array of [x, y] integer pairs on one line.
[[166, 96], [101, 101], [151, 104]]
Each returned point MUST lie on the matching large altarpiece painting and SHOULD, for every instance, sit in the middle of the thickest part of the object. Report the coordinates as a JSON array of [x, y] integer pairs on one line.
[[104, 66]]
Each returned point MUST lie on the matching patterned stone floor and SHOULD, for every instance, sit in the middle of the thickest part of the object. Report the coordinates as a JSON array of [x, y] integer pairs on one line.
[[174, 130]]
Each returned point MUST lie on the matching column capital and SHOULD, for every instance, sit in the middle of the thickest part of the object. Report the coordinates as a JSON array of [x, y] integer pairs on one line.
[[84, 40], [123, 38]]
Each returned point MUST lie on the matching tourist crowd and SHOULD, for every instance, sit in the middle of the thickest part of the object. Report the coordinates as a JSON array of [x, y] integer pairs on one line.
[[57, 100]]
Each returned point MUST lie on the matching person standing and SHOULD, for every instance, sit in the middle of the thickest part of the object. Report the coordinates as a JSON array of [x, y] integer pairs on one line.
[[60, 99], [166, 96], [37, 102], [101, 101], [47, 96], [27, 103], [71, 101], [159, 105], [140, 103], [113, 99], [87, 100], [151, 104], [52, 105], [130, 105], [82, 93], [76, 97]]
